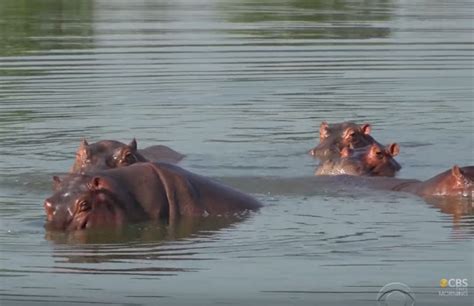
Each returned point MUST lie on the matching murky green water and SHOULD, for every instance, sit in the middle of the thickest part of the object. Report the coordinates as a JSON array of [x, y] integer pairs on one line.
[[240, 87]]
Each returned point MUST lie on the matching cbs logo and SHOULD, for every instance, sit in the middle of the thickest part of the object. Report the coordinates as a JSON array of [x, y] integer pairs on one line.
[[453, 283]]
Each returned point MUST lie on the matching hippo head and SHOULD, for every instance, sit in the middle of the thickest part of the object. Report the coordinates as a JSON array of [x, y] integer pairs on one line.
[[105, 154], [334, 137], [379, 161], [454, 182], [84, 201], [372, 160]]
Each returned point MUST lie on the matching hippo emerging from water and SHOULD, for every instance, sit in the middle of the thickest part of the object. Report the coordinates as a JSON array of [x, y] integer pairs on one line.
[[142, 191], [334, 137], [371, 160], [455, 182], [107, 154]]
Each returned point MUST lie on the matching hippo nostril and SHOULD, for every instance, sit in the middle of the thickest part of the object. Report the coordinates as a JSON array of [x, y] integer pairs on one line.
[[48, 207]]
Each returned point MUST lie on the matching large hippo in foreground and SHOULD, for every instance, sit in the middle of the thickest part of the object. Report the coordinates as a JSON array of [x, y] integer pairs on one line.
[[142, 191], [107, 154], [334, 137], [371, 160]]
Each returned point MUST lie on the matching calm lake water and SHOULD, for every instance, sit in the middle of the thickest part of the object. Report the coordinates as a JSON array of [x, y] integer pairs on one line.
[[240, 87]]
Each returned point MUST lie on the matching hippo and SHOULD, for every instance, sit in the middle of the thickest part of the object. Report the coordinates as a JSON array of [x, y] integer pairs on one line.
[[334, 137], [140, 192], [106, 154], [371, 160], [455, 182], [161, 153]]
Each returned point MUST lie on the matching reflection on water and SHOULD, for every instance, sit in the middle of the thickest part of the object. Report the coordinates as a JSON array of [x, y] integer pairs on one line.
[[151, 242], [240, 87], [461, 211], [311, 19], [44, 25], [147, 232]]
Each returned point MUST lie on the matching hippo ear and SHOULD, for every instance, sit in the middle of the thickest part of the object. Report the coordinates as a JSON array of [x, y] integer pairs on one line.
[[56, 181], [346, 152], [84, 147], [366, 128], [394, 149], [95, 183], [457, 172], [323, 131], [133, 144], [84, 143]]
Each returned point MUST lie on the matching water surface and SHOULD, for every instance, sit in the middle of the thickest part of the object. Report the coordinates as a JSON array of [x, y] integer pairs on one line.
[[241, 88]]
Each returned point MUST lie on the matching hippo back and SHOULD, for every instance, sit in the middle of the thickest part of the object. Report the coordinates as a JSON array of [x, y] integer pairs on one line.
[[162, 154]]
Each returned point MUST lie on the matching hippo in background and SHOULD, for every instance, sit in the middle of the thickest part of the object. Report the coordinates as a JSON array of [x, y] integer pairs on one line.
[[107, 154], [140, 192], [334, 137], [372, 160], [455, 182]]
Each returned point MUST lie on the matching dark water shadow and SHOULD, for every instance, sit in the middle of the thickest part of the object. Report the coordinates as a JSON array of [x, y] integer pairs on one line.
[[44, 25], [144, 241], [319, 19], [147, 232], [461, 211]]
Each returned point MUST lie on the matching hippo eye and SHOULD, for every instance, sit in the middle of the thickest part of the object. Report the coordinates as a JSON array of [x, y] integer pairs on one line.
[[379, 155], [83, 206], [351, 133], [129, 158]]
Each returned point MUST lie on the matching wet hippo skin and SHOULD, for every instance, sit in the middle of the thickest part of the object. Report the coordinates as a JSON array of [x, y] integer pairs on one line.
[[161, 153], [371, 160], [107, 154], [142, 191], [455, 183], [334, 137]]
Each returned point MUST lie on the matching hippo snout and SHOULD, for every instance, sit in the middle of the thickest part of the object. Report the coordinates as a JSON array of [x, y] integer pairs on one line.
[[49, 209], [396, 165]]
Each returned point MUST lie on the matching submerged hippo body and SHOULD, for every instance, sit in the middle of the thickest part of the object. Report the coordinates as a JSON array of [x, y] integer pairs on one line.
[[455, 182], [334, 137], [142, 191], [161, 153], [108, 154], [371, 160]]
